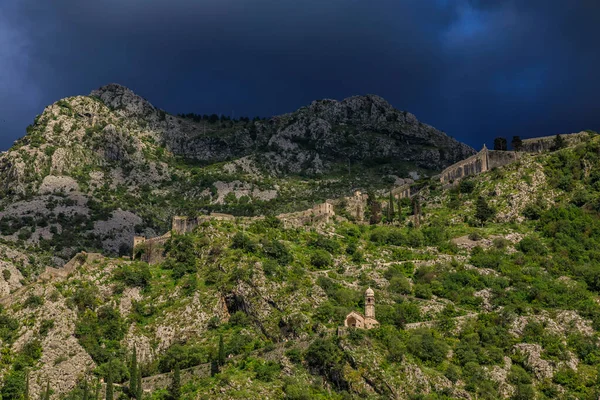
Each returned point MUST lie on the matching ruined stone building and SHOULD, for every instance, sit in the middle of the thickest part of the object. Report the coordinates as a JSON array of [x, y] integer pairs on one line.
[[319, 214], [366, 321]]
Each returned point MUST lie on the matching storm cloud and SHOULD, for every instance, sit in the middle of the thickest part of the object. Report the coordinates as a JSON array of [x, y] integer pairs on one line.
[[474, 69]]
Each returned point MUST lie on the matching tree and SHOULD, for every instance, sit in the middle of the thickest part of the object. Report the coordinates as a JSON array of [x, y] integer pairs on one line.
[[221, 356], [375, 212], [390, 216], [416, 210], [400, 209], [97, 391], [559, 143], [46, 395], [483, 212], [517, 143], [86, 390], [500, 144], [133, 373], [109, 384], [175, 388], [140, 388], [26, 394]]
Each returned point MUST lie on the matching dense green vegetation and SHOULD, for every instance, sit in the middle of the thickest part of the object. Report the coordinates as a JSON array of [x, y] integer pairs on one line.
[[488, 289]]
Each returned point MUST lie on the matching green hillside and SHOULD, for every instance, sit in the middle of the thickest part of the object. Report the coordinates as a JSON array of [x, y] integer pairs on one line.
[[491, 291]]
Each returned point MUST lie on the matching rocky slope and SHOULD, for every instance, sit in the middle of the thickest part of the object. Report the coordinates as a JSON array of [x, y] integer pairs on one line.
[[502, 306], [94, 170]]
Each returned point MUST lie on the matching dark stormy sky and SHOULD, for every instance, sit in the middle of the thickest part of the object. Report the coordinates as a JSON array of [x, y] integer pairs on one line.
[[475, 69]]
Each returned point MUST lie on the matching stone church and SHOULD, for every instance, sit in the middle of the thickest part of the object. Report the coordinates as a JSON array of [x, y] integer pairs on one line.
[[367, 321]]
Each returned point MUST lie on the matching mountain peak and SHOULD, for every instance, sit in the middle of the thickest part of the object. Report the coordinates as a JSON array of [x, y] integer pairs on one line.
[[119, 97]]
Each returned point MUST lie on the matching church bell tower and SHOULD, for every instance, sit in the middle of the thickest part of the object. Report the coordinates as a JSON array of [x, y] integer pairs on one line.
[[370, 303]]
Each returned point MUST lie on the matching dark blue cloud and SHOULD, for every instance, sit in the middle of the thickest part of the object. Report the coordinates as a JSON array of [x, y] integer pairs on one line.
[[473, 68]]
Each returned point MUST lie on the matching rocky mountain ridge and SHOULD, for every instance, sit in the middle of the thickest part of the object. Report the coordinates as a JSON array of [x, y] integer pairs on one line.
[[94, 170], [484, 289]]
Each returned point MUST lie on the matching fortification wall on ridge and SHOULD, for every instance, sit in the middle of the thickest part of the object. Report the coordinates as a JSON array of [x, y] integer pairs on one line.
[[150, 250], [320, 213], [481, 162], [402, 192], [498, 158], [545, 143], [473, 165]]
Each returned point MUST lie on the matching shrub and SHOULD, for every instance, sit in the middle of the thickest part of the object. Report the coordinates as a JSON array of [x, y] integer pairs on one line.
[[266, 371], [137, 274], [243, 242], [483, 212], [321, 259], [475, 236], [327, 359], [181, 257], [6, 274], [400, 285], [33, 301], [466, 186], [423, 291], [278, 251], [325, 243], [45, 326], [239, 318], [86, 297], [531, 245], [428, 346]]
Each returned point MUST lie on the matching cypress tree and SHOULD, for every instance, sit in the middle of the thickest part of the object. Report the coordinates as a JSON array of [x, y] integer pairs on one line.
[[175, 388], [46, 395], [483, 211], [86, 391], [400, 209], [97, 394], [133, 374], [214, 367], [109, 384], [221, 359], [391, 208], [26, 394], [140, 388]]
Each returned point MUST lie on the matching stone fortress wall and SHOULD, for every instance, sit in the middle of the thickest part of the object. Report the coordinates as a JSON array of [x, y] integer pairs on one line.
[[321, 213], [151, 250], [486, 159], [481, 162], [544, 143]]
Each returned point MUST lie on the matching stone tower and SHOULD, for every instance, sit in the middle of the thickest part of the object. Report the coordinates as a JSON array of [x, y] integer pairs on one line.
[[370, 303]]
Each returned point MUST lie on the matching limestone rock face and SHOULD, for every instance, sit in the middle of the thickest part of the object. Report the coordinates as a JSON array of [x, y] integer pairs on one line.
[[359, 128]]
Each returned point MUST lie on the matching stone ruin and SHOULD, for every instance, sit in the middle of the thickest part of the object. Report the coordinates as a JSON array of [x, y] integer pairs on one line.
[[319, 214]]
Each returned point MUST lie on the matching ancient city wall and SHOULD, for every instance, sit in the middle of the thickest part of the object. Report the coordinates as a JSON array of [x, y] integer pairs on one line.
[[403, 191], [545, 143], [150, 250], [473, 165], [488, 159], [321, 213], [499, 158]]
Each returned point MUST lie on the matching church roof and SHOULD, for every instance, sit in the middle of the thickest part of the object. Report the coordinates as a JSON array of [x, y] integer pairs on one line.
[[355, 313]]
